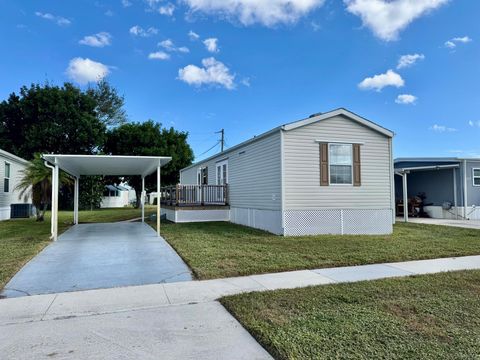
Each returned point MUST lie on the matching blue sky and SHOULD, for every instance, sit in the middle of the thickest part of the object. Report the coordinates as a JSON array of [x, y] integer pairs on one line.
[[248, 66]]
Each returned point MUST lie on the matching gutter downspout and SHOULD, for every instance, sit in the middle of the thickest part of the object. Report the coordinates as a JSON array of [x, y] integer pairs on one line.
[[465, 191]]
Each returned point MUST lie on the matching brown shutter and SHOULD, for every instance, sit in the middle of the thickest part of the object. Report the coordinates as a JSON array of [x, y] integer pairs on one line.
[[357, 173], [324, 164]]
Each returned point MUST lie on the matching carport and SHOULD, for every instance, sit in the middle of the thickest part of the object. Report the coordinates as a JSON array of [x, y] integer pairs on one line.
[[404, 173], [116, 165], [100, 255]]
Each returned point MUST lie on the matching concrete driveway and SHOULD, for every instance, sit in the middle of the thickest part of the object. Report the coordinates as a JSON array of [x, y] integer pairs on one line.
[[94, 256]]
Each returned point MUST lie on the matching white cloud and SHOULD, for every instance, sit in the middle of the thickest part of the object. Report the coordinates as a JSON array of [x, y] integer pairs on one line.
[[409, 60], [213, 72], [159, 55], [442, 128], [170, 46], [139, 31], [166, 44], [59, 20], [109, 13], [101, 39], [193, 35], [378, 82], [452, 43], [248, 12], [246, 82], [167, 9], [126, 3], [85, 70], [474, 123], [406, 99], [211, 44], [387, 18]]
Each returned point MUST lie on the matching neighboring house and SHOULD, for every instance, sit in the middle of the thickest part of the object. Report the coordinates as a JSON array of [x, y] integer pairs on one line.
[[10, 175], [331, 173], [446, 183], [116, 196]]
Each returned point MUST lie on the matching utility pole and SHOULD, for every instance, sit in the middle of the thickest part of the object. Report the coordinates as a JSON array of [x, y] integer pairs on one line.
[[222, 139]]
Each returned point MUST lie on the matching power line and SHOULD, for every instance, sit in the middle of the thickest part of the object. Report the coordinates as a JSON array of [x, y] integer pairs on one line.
[[209, 149]]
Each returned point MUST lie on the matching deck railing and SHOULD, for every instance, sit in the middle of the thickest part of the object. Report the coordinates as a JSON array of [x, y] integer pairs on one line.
[[194, 195]]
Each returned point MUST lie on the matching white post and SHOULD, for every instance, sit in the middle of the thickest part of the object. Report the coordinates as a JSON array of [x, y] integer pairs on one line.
[[465, 190], [75, 201], [455, 202], [142, 199], [55, 187], [405, 197], [52, 219], [158, 200]]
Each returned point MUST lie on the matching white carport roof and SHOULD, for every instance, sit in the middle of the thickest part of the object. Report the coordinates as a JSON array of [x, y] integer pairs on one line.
[[107, 164]]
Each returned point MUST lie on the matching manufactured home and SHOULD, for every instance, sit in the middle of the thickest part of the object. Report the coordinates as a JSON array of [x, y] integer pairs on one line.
[[11, 168], [118, 196], [330, 173], [441, 188]]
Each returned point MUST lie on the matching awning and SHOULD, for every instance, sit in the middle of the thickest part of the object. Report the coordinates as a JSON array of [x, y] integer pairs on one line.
[[117, 165]]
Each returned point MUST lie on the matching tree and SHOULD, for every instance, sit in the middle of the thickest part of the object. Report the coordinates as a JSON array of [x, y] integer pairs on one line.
[[91, 189], [109, 105], [36, 181], [150, 139], [50, 119]]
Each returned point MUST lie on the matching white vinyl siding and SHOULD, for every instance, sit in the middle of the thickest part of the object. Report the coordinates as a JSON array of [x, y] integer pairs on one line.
[[302, 167], [254, 173], [12, 196]]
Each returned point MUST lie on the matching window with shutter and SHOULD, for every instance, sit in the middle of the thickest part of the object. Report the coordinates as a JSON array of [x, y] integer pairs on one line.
[[340, 164]]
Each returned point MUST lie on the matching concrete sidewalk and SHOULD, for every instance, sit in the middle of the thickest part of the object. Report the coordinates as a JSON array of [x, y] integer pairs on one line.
[[468, 224], [175, 320]]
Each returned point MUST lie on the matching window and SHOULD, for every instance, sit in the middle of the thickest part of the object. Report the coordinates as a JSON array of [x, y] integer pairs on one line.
[[6, 180], [205, 176], [476, 177], [341, 164]]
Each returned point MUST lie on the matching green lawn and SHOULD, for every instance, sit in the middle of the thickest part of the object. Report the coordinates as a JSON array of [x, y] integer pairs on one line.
[[221, 249], [22, 239], [423, 317]]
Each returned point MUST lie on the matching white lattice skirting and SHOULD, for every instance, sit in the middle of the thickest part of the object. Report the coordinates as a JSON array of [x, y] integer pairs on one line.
[[268, 220], [338, 221]]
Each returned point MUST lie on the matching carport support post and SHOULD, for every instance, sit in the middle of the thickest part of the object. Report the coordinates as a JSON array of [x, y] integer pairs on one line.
[[142, 199], [158, 200], [55, 201], [455, 201], [75, 201], [405, 196]]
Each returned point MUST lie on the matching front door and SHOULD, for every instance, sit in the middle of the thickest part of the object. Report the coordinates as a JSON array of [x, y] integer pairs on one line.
[[221, 179]]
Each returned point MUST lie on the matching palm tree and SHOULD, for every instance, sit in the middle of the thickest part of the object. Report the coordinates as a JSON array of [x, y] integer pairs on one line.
[[37, 182]]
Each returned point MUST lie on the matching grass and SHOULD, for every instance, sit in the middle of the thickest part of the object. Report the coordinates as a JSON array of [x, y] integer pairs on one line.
[[22, 239], [221, 249], [423, 317]]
